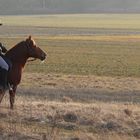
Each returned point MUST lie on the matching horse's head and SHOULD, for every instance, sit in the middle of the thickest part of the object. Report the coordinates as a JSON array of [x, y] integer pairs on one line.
[[33, 50]]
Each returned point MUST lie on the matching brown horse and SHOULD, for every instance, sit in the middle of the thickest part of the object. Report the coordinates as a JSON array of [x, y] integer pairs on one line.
[[19, 55]]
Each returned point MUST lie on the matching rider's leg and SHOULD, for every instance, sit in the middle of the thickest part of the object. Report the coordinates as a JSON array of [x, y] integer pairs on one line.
[[4, 73], [3, 64]]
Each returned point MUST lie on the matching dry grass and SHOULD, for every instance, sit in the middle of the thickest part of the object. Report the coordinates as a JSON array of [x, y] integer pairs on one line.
[[39, 116], [78, 81], [68, 120]]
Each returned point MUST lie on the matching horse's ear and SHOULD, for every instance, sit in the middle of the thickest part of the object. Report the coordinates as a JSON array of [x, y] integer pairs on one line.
[[30, 37]]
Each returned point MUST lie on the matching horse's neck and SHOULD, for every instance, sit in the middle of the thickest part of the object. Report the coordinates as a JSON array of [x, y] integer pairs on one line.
[[17, 55], [21, 62], [17, 60]]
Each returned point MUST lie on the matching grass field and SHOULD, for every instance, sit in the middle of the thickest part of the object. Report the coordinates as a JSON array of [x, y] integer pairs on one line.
[[87, 89], [88, 20], [86, 55], [99, 45]]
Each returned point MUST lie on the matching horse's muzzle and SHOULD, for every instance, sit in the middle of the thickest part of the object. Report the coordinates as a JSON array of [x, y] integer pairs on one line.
[[43, 57]]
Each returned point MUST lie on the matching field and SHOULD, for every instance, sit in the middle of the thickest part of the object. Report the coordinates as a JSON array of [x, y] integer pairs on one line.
[[89, 86]]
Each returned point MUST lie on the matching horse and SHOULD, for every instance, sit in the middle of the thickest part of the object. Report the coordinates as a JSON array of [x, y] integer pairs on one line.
[[18, 55]]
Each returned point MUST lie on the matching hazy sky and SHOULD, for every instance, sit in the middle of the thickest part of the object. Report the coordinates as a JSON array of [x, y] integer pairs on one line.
[[54, 6]]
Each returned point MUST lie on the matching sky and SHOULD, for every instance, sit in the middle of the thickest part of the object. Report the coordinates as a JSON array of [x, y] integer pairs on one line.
[[68, 6]]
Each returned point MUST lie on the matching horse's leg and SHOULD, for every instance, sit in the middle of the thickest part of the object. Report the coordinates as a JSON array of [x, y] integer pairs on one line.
[[1, 94], [12, 96]]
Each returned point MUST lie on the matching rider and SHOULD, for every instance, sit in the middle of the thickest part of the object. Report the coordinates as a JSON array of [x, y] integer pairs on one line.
[[4, 68]]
